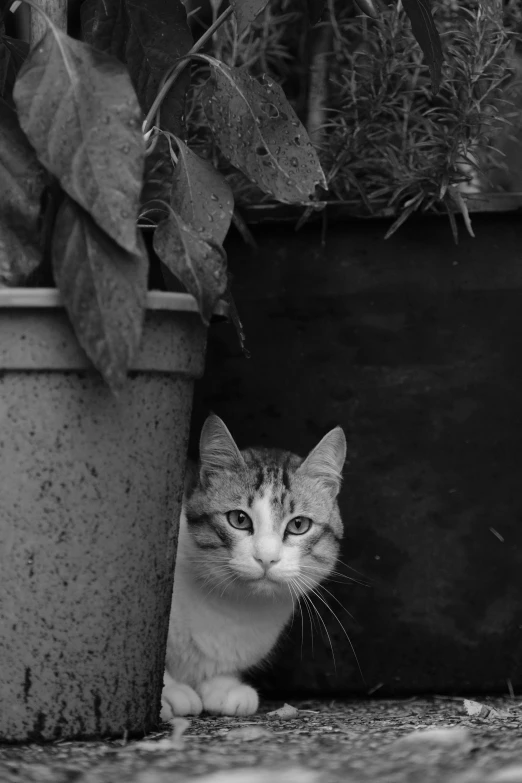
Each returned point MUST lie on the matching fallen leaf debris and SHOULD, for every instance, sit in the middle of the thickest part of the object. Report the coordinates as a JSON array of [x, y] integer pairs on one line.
[[416, 740]]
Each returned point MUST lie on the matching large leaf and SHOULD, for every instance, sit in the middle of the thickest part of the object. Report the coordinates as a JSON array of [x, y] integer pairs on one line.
[[424, 30], [195, 259], [79, 111], [200, 195], [260, 134], [149, 36], [23, 180], [103, 288], [12, 56], [159, 35], [246, 11]]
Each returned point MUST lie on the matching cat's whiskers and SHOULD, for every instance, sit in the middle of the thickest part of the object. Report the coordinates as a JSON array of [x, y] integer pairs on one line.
[[292, 590], [322, 587], [228, 579], [365, 579], [293, 604], [305, 596], [312, 589], [203, 562], [344, 578], [229, 584], [208, 580], [220, 568], [351, 568], [300, 595], [343, 607]]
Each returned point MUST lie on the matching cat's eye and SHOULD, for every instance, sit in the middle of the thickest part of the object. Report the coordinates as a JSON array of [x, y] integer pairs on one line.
[[239, 520], [298, 526]]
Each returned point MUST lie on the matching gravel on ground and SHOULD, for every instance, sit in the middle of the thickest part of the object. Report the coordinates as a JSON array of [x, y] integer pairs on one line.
[[417, 740]]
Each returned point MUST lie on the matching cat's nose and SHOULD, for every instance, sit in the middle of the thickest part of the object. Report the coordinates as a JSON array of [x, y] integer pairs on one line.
[[268, 561]]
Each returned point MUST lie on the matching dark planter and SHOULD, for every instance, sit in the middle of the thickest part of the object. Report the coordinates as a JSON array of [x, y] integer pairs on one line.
[[414, 346]]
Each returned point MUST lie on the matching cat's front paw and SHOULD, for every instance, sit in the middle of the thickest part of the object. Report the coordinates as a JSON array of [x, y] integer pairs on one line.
[[228, 696], [178, 699]]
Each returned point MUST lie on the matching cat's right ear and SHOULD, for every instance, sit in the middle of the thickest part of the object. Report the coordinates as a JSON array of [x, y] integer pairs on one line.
[[217, 448]]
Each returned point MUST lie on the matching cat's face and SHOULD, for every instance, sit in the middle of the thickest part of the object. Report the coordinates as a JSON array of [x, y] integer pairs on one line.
[[264, 521]]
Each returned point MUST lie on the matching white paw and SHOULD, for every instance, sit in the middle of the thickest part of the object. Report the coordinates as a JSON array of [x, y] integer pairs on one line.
[[228, 696], [178, 699]]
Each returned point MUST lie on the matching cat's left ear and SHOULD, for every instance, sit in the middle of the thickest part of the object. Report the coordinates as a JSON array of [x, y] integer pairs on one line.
[[217, 448], [326, 461]]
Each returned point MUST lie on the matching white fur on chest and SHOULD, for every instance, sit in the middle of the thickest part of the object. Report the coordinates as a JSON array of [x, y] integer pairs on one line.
[[213, 633]]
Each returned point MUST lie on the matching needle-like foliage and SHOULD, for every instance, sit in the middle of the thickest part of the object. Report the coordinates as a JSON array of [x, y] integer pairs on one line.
[[388, 146]]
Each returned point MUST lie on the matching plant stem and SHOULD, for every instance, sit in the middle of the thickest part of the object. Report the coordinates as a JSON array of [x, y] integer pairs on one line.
[[178, 69]]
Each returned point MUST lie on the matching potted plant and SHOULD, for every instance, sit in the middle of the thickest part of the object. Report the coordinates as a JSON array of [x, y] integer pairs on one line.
[[98, 352], [100, 346], [389, 144]]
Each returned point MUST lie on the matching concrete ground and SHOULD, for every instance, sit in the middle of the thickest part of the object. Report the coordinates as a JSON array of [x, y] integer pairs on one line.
[[424, 740]]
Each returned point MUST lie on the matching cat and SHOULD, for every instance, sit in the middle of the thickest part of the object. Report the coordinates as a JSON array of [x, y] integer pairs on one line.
[[258, 528]]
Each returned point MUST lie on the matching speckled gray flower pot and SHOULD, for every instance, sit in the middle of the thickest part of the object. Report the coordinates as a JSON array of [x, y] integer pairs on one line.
[[90, 488]]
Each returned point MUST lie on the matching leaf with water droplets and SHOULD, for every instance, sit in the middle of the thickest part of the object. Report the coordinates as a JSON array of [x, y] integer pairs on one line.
[[246, 12], [23, 181], [260, 134], [200, 195], [79, 110], [195, 259], [104, 289], [149, 36]]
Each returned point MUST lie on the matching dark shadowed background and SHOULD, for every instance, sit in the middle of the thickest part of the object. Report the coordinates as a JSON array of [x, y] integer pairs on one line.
[[414, 346]]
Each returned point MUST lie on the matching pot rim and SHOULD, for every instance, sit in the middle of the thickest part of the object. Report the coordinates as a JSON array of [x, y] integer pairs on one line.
[[50, 297]]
